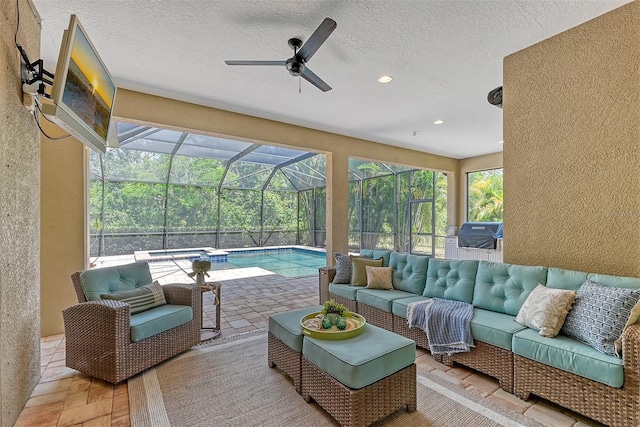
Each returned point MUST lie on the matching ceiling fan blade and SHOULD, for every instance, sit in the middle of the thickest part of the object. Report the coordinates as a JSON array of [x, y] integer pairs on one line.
[[312, 78], [282, 63], [318, 37]]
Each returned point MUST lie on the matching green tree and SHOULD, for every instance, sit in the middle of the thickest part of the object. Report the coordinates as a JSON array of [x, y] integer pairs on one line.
[[485, 196]]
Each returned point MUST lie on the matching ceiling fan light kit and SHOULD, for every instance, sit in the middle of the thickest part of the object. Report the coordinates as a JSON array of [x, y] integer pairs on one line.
[[302, 53]]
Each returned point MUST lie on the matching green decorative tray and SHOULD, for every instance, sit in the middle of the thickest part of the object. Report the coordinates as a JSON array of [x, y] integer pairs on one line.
[[355, 326]]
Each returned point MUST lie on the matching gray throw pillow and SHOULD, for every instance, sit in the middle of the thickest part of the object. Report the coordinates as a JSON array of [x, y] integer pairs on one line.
[[599, 315], [343, 268], [140, 299]]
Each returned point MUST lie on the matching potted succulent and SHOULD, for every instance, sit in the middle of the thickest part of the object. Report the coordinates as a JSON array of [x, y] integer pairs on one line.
[[333, 311], [200, 268]]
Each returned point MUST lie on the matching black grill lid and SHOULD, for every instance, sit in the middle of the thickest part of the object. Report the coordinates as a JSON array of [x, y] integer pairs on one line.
[[479, 235]]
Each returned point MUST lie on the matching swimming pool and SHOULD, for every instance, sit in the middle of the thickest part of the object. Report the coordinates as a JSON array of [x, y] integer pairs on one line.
[[288, 262]]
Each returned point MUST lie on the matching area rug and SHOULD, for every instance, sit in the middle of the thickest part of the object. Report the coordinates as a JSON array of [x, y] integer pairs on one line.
[[228, 383]]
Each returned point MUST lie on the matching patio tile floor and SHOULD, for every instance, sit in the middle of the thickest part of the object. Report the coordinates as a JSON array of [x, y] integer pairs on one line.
[[65, 397]]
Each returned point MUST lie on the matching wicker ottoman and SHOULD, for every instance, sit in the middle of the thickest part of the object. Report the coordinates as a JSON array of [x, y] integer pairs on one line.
[[360, 380], [285, 342]]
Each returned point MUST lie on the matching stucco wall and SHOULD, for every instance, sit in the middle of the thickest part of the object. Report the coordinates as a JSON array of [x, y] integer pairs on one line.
[[572, 148], [19, 218]]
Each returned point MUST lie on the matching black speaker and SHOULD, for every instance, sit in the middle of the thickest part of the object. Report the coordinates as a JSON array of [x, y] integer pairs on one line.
[[495, 97]]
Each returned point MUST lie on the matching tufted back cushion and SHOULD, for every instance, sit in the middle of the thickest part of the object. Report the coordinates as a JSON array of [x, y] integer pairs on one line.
[[451, 279], [377, 253], [409, 272], [504, 287], [114, 279], [615, 281]]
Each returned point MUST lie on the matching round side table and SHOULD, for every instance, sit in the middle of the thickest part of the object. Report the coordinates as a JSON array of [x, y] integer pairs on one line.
[[210, 333]]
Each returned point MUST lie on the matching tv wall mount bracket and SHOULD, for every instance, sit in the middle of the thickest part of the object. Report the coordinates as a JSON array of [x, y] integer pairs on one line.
[[33, 73]]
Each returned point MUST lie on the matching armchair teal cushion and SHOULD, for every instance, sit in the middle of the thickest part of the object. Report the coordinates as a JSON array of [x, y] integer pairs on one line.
[[114, 279]]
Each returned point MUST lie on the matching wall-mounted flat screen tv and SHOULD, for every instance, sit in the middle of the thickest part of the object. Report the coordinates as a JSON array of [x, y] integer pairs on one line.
[[83, 91]]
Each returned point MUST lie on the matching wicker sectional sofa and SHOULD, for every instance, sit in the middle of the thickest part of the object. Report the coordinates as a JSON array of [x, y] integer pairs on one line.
[[560, 369]]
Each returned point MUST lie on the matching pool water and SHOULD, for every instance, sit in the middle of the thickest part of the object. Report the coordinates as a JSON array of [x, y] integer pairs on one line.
[[289, 263]]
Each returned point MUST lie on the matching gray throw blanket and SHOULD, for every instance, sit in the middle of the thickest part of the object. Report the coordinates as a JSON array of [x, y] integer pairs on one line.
[[447, 324]]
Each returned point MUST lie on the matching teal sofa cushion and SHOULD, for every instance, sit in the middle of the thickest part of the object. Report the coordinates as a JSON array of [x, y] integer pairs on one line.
[[399, 306], [377, 253], [158, 319], [362, 360], [380, 298], [451, 279], [409, 272], [287, 328], [345, 291], [505, 287], [569, 355], [114, 279], [559, 278], [615, 281], [494, 328]]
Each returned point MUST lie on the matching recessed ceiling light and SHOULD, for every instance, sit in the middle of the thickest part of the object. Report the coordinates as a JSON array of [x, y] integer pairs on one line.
[[438, 122], [385, 79], [500, 142]]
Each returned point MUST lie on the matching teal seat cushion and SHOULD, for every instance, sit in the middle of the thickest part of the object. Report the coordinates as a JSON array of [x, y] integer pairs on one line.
[[286, 326], [505, 287], [451, 279], [377, 253], [399, 306], [409, 272], [345, 291], [362, 360], [159, 319], [494, 328], [114, 279], [569, 355], [381, 298]]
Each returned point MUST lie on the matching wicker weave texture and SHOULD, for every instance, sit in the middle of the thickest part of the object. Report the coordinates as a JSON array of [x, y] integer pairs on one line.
[[288, 360], [618, 407], [361, 407], [98, 335], [488, 359], [350, 304], [376, 317]]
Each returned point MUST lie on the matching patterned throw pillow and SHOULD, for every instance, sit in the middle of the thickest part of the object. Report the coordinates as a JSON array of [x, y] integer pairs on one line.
[[379, 277], [545, 309], [343, 268], [358, 272], [599, 315], [140, 299]]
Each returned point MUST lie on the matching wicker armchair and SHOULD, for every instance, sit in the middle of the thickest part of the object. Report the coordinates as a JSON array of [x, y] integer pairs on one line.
[[98, 333]]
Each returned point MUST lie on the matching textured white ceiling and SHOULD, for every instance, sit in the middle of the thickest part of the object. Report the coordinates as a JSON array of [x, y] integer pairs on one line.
[[445, 56]]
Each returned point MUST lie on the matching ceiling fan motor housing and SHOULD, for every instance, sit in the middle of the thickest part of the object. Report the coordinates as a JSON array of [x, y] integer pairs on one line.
[[295, 66]]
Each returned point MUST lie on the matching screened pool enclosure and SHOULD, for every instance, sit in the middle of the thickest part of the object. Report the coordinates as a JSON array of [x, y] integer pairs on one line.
[[164, 189]]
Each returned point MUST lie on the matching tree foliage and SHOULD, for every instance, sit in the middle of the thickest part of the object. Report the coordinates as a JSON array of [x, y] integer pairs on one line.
[[485, 196]]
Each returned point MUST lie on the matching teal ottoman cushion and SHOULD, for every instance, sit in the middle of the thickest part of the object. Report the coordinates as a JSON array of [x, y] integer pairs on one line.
[[362, 360], [569, 355], [286, 326], [159, 319]]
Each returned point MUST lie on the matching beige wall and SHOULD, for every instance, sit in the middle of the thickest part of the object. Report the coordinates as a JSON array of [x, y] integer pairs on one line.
[[62, 201], [19, 218], [572, 148]]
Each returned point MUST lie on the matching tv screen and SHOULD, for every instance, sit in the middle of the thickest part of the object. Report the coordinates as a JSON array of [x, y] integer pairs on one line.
[[83, 91]]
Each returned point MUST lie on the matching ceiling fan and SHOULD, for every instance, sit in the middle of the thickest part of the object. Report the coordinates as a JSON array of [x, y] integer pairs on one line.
[[297, 64]]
